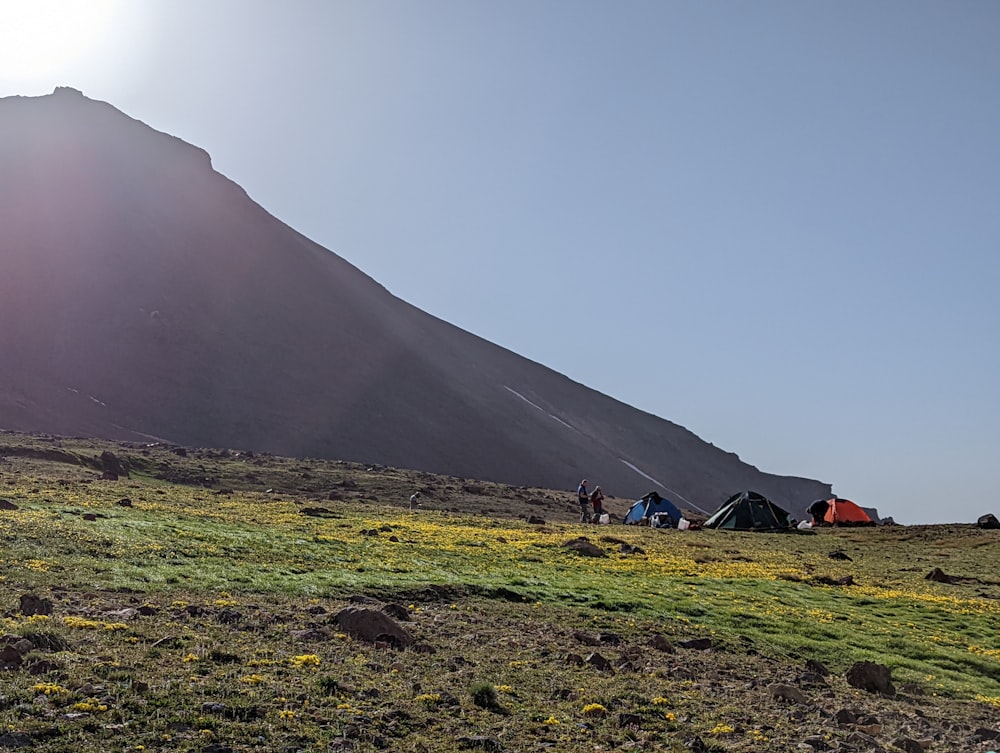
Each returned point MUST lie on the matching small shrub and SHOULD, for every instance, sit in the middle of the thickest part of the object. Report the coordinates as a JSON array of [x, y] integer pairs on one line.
[[484, 695]]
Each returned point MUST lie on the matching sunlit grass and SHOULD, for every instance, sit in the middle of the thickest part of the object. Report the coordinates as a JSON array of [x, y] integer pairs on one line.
[[238, 646], [765, 588]]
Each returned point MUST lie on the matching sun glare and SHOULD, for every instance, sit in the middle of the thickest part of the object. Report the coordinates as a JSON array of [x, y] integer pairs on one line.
[[44, 42]]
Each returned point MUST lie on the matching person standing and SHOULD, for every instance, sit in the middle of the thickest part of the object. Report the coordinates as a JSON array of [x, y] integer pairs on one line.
[[584, 499], [597, 500], [415, 501]]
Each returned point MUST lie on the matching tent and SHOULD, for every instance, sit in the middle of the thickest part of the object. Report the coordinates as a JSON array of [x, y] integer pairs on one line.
[[750, 511], [645, 508], [838, 512]]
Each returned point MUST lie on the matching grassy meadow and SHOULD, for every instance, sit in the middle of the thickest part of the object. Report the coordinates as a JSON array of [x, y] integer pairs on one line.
[[194, 609]]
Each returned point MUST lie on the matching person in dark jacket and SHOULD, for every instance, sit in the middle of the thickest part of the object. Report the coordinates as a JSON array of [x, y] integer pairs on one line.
[[584, 499]]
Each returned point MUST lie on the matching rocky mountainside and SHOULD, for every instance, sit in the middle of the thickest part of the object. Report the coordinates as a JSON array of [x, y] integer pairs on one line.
[[145, 296]]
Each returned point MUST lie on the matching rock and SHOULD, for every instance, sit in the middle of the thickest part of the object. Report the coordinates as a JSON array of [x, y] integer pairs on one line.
[[816, 742], [598, 662], [696, 644], [871, 677], [818, 667], [23, 646], [811, 679], [696, 745], [40, 667], [983, 733], [938, 576], [535, 520], [586, 638], [373, 625], [609, 639], [397, 612], [111, 467], [6, 504], [229, 616], [863, 741], [839, 555], [362, 599], [660, 643], [585, 548], [124, 502], [908, 745], [826, 580], [147, 610], [122, 615], [31, 604], [575, 659], [785, 692], [846, 716], [10, 658], [989, 520], [15, 740], [629, 720], [89, 516]]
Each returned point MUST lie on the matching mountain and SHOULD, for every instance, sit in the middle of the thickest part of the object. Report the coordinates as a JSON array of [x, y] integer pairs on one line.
[[144, 296]]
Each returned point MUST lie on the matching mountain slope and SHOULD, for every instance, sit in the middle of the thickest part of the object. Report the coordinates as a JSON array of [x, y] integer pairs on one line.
[[144, 295]]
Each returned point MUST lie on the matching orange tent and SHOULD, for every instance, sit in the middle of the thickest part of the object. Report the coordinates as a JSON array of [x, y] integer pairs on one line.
[[843, 512]]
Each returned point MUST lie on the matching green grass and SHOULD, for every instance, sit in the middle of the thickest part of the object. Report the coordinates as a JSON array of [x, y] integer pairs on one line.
[[496, 598]]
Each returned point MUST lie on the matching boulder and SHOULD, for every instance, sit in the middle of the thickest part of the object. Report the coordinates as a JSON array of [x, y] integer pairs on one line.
[[818, 667], [31, 604], [938, 576], [871, 677], [846, 717], [696, 644], [598, 662], [660, 643], [16, 740], [10, 658], [585, 548], [781, 691], [111, 467], [373, 625], [989, 520]]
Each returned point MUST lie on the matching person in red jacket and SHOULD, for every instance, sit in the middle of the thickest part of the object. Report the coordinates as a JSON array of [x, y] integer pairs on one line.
[[597, 500]]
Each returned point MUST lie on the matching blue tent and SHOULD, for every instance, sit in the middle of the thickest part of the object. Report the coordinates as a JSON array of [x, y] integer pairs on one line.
[[649, 505]]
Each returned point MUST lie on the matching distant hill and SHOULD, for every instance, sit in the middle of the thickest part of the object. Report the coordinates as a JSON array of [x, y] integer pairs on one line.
[[144, 296]]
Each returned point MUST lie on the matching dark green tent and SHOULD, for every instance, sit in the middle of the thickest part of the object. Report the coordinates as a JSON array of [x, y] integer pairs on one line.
[[750, 511]]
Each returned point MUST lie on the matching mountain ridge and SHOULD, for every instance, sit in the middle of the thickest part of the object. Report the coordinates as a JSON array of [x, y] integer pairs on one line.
[[148, 296]]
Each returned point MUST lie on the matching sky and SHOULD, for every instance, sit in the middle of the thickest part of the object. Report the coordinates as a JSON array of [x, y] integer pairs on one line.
[[774, 223]]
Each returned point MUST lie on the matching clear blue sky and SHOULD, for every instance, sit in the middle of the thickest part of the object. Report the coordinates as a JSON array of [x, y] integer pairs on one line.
[[775, 223]]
